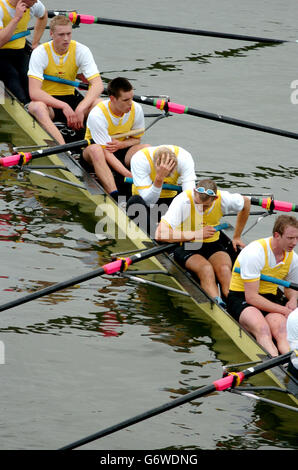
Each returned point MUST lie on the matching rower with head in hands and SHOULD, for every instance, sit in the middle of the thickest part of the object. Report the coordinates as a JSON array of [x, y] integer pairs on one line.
[[151, 168], [62, 57], [192, 217], [256, 303], [15, 16]]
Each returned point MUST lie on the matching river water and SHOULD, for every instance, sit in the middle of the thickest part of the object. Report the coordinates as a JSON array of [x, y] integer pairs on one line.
[[95, 354]]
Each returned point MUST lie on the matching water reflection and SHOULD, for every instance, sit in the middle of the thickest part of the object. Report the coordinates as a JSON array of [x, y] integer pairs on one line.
[[169, 64]]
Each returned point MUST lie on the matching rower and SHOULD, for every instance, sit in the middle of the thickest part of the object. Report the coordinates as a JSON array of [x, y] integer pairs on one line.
[[119, 114], [151, 167], [256, 303], [14, 60], [192, 217], [54, 101]]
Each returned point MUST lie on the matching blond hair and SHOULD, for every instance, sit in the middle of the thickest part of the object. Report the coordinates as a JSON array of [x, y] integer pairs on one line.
[[163, 150], [59, 20]]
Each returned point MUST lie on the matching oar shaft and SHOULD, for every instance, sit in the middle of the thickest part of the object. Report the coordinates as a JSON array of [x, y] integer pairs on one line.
[[89, 19], [219, 385], [274, 280], [165, 105], [110, 268]]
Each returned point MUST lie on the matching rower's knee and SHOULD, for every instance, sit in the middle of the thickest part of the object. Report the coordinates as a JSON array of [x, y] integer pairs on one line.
[[38, 109], [93, 154]]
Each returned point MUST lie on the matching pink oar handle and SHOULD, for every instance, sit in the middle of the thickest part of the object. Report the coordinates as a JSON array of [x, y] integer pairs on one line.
[[14, 159], [227, 382], [86, 19], [278, 205], [115, 266], [173, 107]]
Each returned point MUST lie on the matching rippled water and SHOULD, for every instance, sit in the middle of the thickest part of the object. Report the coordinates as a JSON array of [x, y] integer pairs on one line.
[[92, 355]]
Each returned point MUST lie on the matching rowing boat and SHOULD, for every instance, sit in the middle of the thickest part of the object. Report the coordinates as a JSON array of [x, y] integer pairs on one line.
[[78, 186]]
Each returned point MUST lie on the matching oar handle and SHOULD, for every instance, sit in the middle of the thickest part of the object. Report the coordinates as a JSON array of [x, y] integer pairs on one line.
[[273, 204], [274, 280], [19, 35], [22, 157], [76, 84], [173, 187]]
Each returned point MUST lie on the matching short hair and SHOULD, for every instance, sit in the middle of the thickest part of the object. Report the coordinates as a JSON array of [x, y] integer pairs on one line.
[[161, 151], [282, 222], [59, 20], [117, 85], [207, 184]]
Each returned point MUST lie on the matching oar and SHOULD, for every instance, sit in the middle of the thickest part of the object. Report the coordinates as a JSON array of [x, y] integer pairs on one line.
[[113, 267], [228, 382], [274, 280], [272, 204], [24, 157], [170, 106], [173, 187], [77, 19]]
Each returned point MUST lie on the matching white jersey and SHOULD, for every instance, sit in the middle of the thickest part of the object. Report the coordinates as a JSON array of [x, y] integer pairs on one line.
[[37, 10], [98, 124], [180, 207], [252, 261], [84, 60], [141, 171], [292, 329]]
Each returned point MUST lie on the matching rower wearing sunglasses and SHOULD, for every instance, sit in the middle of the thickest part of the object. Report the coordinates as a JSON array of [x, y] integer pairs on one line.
[[191, 219]]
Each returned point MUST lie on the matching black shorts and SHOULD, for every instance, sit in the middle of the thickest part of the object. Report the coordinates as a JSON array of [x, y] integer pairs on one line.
[[236, 303], [182, 253], [72, 100]]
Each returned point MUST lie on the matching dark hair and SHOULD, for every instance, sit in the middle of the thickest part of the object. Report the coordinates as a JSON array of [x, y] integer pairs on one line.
[[284, 221], [117, 85]]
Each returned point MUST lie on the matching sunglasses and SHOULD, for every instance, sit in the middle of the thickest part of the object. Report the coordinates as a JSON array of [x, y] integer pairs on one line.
[[202, 190]]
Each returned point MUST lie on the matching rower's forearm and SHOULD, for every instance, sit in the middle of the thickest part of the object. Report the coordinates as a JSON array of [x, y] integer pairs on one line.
[[7, 32], [39, 28], [242, 218], [165, 233], [116, 164], [93, 93], [126, 143], [40, 95]]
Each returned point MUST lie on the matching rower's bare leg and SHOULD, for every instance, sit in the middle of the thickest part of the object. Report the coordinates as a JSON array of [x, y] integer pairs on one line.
[[43, 114], [95, 156], [131, 151], [278, 327], [222, 266], [255, 323], [204, 271]]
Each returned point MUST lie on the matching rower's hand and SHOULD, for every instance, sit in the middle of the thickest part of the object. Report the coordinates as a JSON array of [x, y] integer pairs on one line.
[[114, 145], [21, 8], [165, 168], [71, 116], [291, 304], [207, 232], [237, 243]]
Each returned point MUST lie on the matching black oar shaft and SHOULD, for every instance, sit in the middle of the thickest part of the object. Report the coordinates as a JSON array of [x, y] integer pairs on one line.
[[221, 384], [183, 109], [181, 30], [110, 268], [164, 28]]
